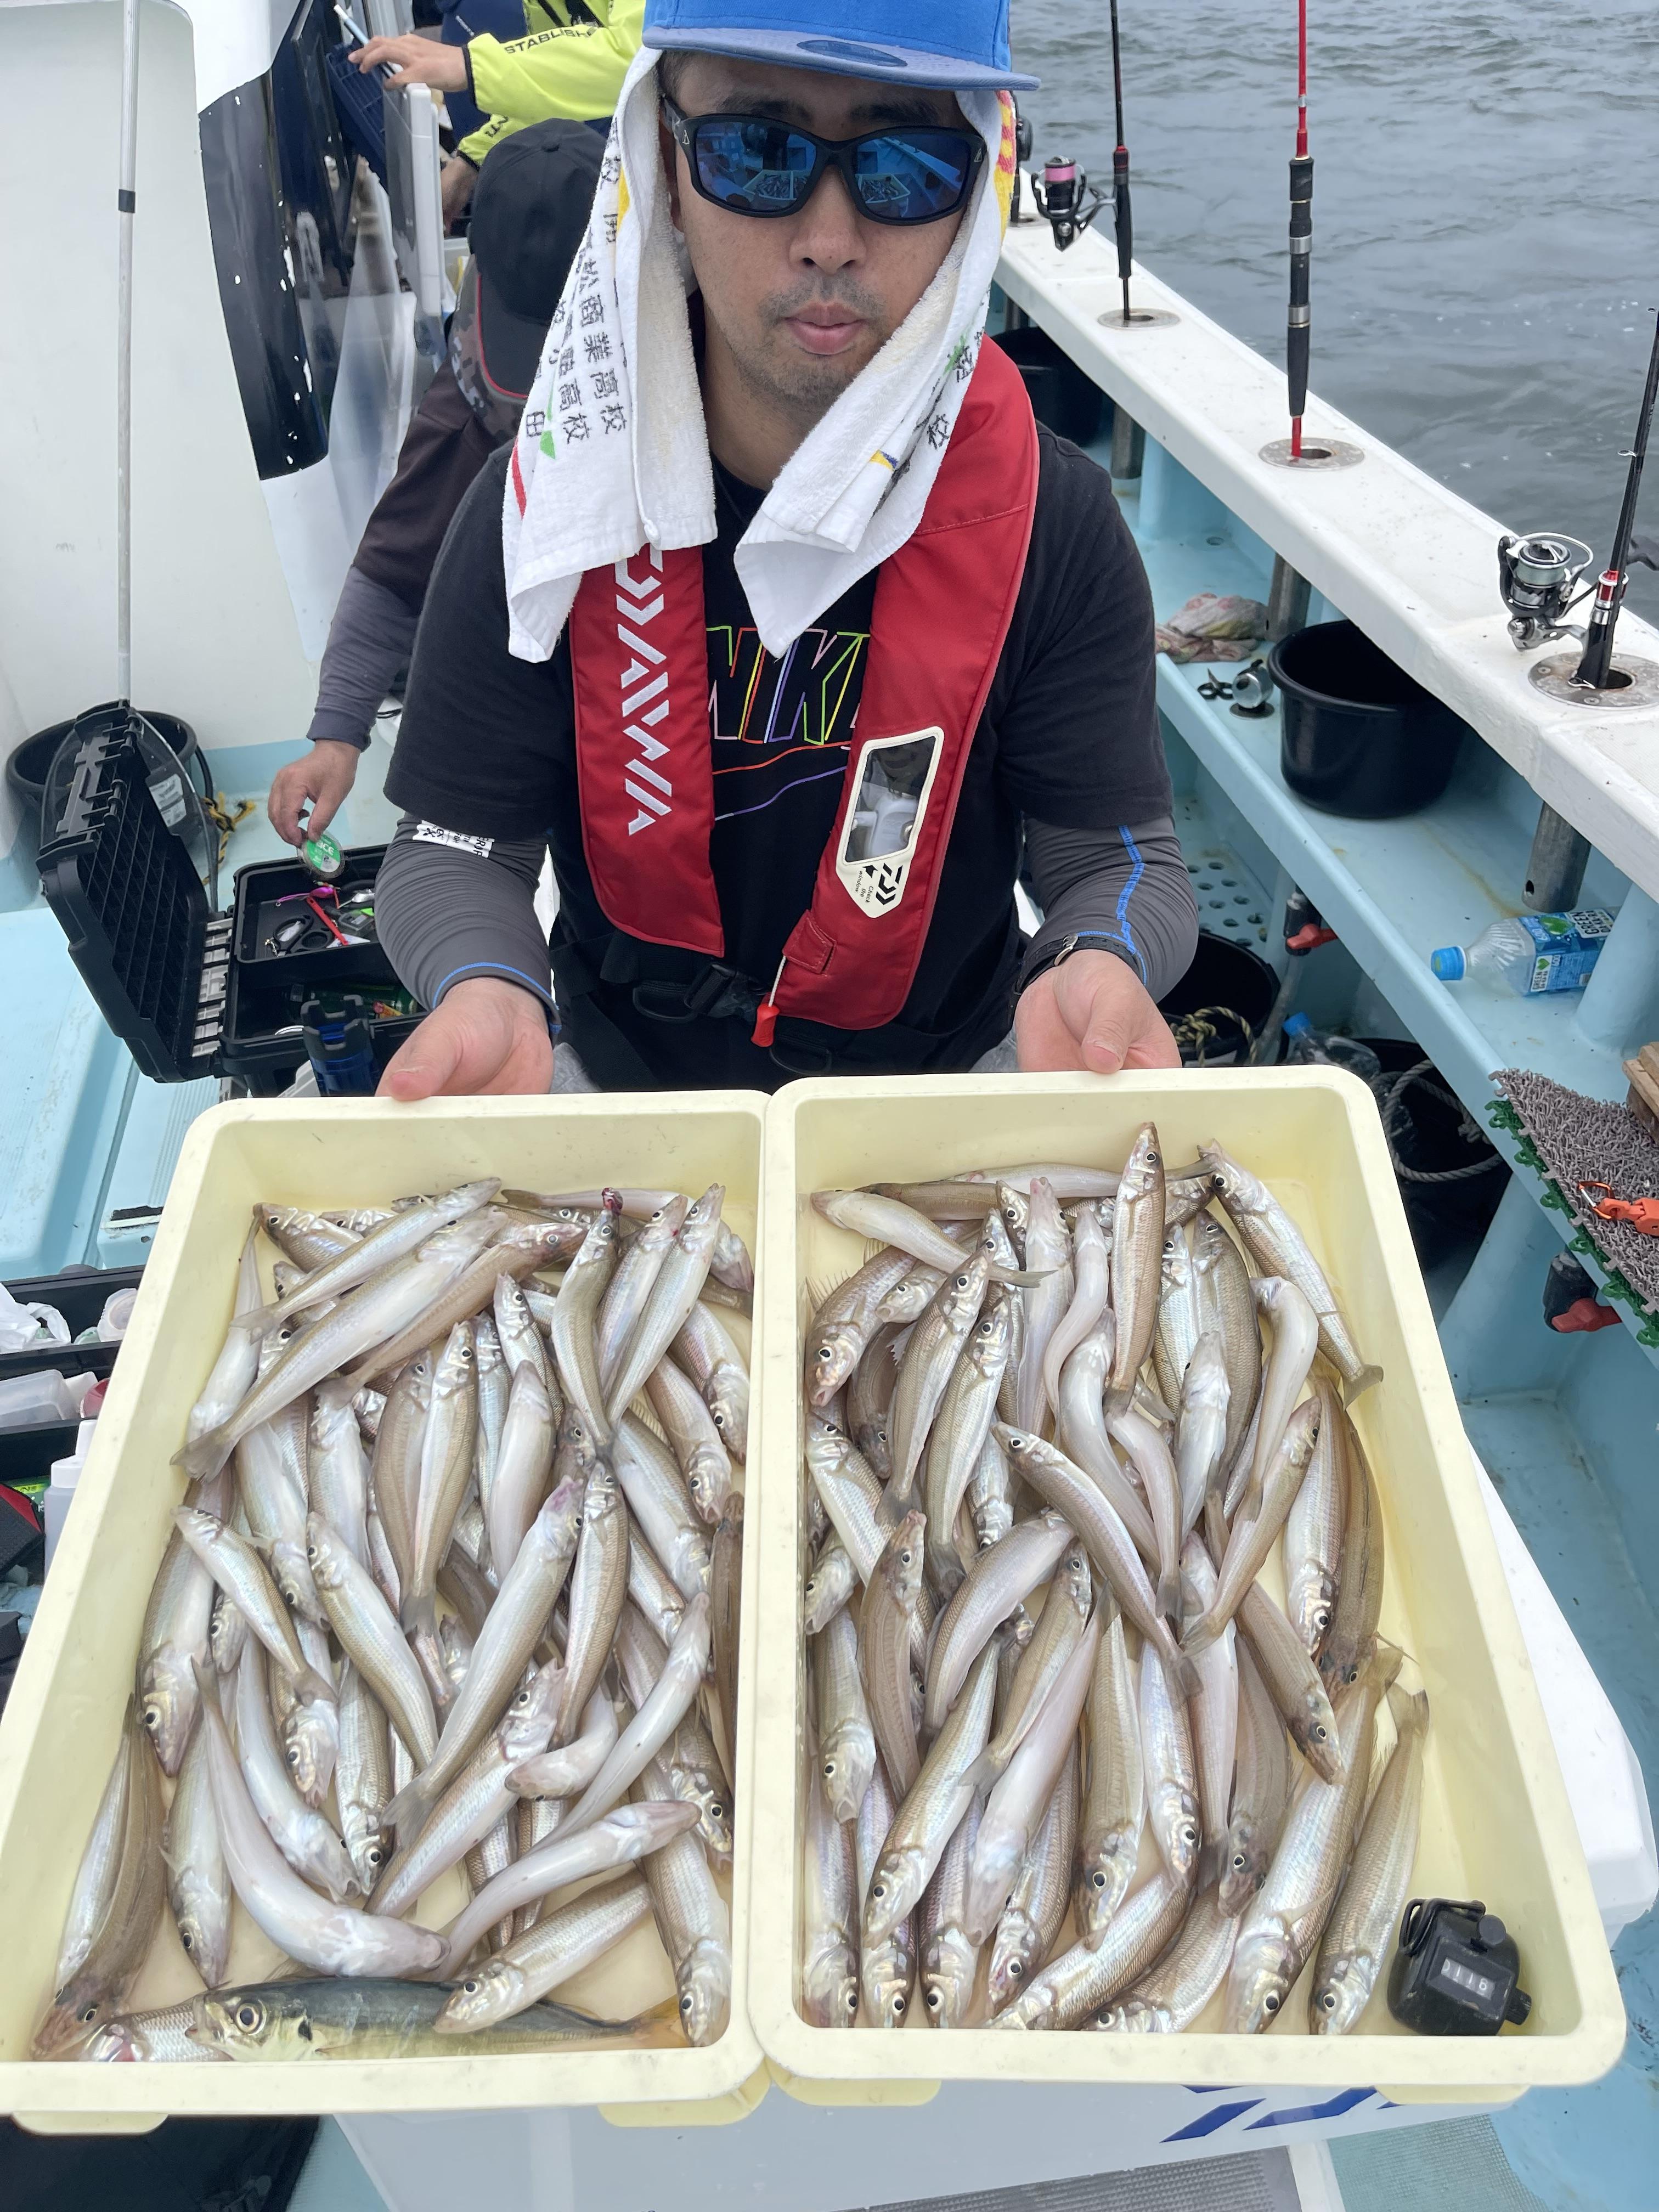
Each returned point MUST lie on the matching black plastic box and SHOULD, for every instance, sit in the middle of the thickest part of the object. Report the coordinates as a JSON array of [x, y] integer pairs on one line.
[[170, 978], [80, 1294]]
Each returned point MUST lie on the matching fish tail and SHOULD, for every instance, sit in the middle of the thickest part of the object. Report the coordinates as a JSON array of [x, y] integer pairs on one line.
[[205, 1455], [1169, 1596], [1178, 1663], [1200, 1635], [419, 1612], [406, 1811], [1209, 1862], [311, 1686], [1361, 1381]]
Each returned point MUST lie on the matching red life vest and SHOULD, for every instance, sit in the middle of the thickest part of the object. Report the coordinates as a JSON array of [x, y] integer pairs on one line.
[[645, 774]]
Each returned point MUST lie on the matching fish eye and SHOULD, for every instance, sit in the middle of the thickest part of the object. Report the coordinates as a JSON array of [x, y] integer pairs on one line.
[[1238, 1862], [88, 2013], [1321, 1619], [1328, 1999], [685, 2004], [293, 1754], [1099, 1878], [187, 1941], [1188, 1832], [852, 2000], [719, 1419], [1321, 1731], [152, 1717], [248, 2016], [471, 1989], [1270, 2002], [716, 1810], [898, 2007], [878, 1888], [828, 1773], [934, 2000], [1016, 1970], [825, 1351], [375, 1855], [311, 1551], [963, 1281]]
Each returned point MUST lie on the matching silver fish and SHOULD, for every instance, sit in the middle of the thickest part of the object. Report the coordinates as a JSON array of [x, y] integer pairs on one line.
[[237, 1568], [478, 1799], [524, 1462], [950, 1956], [559, 1946], [1067, 1490], [887, 1970], [1171, 1996], [960, 1432], [1059, 1631], [886, 1624], [177, 1622], [101, 1861], [1114, 1809], [395, 1469], [626, 1833], [999, 1580], [932, 1812], [163, 2035], [1295, 1340], [1081, 1434], [271, 1483], [695, 1442], [1291, 1682], [1015, 1809], [1222, 1288], [1032, 1918], [909, 1298], [447, 1454], [725, 1605], [1280, 1249], [233, 1370], [1353, 1630], [368, 1634], [705, 1350], [339, 1468], [362, 1777], [332, 1938], [511, 1631], [1179, 1324], [1261, 1788], [829, 1960], [1313, 1531], [303, 1836], [1048, 1254], [694, 1924], [1171, 1771], [1254, 1537], [311, 1726], [1149, 1455], [393, 1240], [847, 1319], [1201, 1428], [632, 1283], [1281, 1928], [1137, 1228], [1213, 1715], [885, 1221], [561, 1773], [309, 1240], [658, 1503], [1090, 1268], [990, 1495], [661, 1605], [831, 1582], [574, 1315], [598, 1590], [668, 1307], [847, 1742], [1359, 1933], [652, 1725], [516, 1331], [1090, 1975], [929, 1359]]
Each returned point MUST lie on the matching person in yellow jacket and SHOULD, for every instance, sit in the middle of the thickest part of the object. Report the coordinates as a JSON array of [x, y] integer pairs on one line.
[[572, 66]]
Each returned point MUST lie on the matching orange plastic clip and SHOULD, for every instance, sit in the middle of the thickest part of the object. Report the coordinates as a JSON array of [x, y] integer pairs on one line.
[[1641, 1213]]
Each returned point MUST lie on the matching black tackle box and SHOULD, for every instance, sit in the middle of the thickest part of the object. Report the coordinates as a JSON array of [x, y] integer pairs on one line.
[[190, 992]]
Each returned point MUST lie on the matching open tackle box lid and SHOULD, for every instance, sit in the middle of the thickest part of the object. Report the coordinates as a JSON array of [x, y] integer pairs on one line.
[[189, 992]]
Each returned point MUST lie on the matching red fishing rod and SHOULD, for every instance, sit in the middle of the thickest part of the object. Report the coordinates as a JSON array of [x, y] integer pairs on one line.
[[1297, 332]]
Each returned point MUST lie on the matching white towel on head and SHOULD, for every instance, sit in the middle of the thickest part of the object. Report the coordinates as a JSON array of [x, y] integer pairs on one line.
[[612, 453]]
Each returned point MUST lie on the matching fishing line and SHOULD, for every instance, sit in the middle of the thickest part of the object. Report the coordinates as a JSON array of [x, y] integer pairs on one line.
[[1122, 216]]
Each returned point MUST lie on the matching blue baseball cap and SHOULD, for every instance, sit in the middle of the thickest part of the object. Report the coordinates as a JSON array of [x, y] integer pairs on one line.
[[960, 46]]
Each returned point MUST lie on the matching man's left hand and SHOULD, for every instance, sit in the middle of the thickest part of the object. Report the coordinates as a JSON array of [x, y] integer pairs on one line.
[[1092, 1011], [417, 61]]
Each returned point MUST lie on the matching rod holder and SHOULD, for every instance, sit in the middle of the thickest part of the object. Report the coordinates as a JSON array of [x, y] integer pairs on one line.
[[1555, 866], [1288, 598], [1128, 446]]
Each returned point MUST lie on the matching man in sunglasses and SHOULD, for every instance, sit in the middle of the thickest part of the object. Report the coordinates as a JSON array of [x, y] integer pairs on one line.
[[825, 882]]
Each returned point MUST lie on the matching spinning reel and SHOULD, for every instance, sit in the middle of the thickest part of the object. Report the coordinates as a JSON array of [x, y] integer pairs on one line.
[[1536, 576]]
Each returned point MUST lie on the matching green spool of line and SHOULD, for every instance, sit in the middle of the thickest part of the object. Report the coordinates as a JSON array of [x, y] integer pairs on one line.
[[323, 857]]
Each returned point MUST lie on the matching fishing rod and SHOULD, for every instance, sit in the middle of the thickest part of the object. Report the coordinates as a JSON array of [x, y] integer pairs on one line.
[[1297, 330], [1595, 668], [1122, 216]]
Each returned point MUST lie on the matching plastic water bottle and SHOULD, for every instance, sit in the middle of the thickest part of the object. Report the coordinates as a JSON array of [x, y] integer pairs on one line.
[[1535, 952], [1305, 1046]]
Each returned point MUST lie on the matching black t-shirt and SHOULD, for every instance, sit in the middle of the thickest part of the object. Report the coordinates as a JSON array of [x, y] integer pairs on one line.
[[1069, 735]]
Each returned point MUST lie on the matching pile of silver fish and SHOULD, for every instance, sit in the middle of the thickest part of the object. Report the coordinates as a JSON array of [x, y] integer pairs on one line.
[[455, 1585], [1049, 1386]]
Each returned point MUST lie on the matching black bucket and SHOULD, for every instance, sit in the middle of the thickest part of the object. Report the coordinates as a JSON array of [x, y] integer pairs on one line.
[[1061, 396], [1358, 736], [1430, 1135], [1219, 1005]]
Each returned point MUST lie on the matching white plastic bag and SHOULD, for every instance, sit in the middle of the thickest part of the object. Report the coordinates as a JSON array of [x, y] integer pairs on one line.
[[28, 1327]]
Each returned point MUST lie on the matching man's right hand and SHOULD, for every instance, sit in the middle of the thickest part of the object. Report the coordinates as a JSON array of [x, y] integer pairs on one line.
[[489, 1038], [324, 776]]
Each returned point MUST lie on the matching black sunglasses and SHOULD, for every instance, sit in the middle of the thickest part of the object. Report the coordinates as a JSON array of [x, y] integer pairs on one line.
[[751, 165]]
